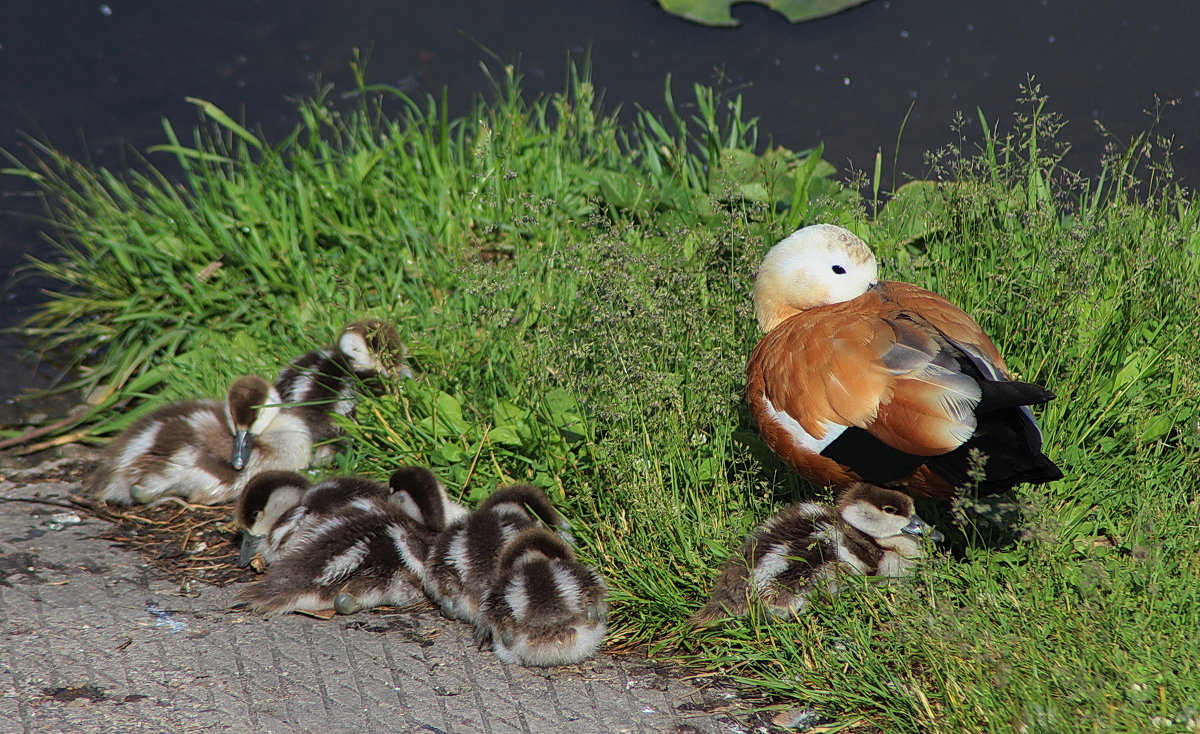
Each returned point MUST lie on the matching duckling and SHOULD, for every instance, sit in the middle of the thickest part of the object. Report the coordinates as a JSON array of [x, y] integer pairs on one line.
[[280, 511], [418, 493], [266, 499], [864, 379], [873, 531], [325, 381], [543, 606], [201, 450], [356, 560], [463, 558]]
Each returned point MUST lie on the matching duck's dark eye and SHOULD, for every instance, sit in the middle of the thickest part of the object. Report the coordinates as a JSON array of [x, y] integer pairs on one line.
[[839, 270], [890, 510]]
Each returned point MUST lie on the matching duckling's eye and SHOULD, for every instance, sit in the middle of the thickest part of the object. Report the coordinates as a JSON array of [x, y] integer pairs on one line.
[[838, 269], [889, 509]]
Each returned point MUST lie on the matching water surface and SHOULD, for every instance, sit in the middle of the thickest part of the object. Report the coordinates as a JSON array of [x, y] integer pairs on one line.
[[96, 78]]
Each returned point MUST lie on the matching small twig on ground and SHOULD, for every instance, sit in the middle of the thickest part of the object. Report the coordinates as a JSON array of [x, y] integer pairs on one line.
[[66, 438], [35, 501], [102, 511], [43, 430]]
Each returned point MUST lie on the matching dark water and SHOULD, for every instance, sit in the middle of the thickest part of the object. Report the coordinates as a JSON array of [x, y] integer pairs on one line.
[[96, 78]]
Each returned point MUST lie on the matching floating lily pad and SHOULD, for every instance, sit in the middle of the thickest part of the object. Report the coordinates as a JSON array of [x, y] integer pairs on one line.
[[716, 12]]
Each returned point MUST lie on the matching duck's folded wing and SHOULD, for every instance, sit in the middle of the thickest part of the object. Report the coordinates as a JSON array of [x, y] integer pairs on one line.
[[892, 378], [932, 407], [952, 322]]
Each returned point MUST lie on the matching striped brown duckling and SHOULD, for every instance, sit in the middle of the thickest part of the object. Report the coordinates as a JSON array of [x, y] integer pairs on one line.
[[462, 561], [364, 551], [203, 451], [544, 607], [279, 511], [324, 382], [873, 531]]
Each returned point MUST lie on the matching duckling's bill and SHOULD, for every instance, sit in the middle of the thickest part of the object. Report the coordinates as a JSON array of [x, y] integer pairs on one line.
[[249, 551], [917, 526], [243, 444]]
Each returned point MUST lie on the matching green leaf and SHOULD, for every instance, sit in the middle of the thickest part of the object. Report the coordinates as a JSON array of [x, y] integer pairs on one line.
[[505, 413], [448, 454], [1156, 428], [447, 416], [506, 435], [192, 153], [225, 121], [716, 12], [562, 404], [778, 175], [914, 211]]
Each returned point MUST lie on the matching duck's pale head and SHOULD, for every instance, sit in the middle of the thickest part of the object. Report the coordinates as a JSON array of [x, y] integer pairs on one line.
[[814, 266]]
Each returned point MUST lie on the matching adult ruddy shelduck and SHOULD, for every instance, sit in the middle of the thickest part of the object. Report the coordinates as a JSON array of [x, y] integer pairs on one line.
[[880, 381]]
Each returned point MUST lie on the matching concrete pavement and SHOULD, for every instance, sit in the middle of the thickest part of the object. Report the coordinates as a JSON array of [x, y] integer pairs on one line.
[[95, 640]]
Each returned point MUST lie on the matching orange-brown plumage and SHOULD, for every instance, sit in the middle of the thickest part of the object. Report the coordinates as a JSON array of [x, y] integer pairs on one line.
[[881, 381]]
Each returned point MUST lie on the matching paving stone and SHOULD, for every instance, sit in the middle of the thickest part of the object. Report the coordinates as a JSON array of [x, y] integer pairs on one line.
[[95, 640]]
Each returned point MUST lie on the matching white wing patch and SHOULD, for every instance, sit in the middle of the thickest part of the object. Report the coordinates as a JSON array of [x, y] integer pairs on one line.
[[139, 445], [517, 597], [797, 432], [400, 539], [567, 585], [456, 553], [847, 556]]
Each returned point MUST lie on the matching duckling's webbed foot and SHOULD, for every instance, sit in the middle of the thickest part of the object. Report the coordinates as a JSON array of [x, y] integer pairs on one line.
[[346, 603], [144, 495]]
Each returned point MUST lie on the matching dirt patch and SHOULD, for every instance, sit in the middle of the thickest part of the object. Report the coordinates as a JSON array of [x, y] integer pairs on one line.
[[186, 542], [90, 694], [23, 564], [70, 694]]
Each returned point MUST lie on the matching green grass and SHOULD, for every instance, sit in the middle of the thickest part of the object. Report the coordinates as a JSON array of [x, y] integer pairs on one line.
[[573, 285]]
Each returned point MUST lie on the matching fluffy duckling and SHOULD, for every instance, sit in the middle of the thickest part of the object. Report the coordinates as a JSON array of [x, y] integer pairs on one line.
[[873, 531], [462, 560], [326, 381], [418, 493], [543, 607], [356, 560], [280, 511], [201, 450], [881, 381]]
